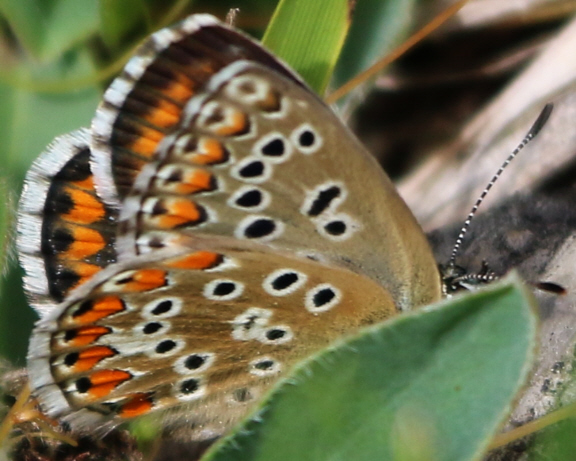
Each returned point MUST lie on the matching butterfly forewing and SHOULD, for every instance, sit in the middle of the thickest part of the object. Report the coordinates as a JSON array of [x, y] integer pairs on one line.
[[66, 234], [287, 172]]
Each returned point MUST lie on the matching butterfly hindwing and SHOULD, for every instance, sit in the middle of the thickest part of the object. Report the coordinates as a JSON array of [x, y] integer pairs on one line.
[[203, 330]]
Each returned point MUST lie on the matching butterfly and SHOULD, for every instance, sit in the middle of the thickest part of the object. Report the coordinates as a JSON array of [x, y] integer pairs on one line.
[[216, 225]]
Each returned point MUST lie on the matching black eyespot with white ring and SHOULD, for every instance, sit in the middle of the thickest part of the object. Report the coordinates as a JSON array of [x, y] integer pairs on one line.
[[167, 347], [337, 227], [283, 282], [223, 290], [322, 298], [197, 362], [162, 308], [264, 366], [252, 170], [261, 228], [306, 139], [250, 198], [279, 334], [190, 389], [324, 198], [274, 147], [152, 328]]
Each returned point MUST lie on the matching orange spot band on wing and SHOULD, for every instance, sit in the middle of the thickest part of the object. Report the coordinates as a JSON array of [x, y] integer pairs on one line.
[[147, 142], [86, 335], [196, 261], [83, 270], [237, 124], [181, 89], [210, 151], [91, 311], [138, 405], [195, 181], [145, 280], [271, 103], [164, 114], [86, 208], [103, 382], [87, 242], [178, 212], [90, 357], [87, 183]]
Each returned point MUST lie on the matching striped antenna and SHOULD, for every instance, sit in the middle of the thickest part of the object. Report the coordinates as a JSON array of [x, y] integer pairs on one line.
[[532, 133]]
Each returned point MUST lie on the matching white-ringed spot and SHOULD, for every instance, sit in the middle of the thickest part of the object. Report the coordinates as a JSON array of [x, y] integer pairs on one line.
[[249, 198], [189, 389], [322, 298], [283, 282], [306, 139], [251, 170], [197, 362], [324, 197], [247, 89], [273, 147], [151, 328], [278, 334], [264, 366], [260, 228], [337, 227], [162, 308], [166, 347], [223, 290]]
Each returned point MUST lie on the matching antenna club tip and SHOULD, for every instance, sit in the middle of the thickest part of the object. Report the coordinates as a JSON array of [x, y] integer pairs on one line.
[[541, 120]]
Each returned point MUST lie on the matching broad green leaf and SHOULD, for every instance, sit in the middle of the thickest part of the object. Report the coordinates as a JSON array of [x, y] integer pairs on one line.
[[431, 385], [377, 28], [309, 36]]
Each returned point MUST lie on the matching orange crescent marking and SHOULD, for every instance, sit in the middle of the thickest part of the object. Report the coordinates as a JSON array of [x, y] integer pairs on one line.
[[180, 211], [145, 280], [138, 405], [164, 114], [104, 382], [237, 124], [90, 357], [181, 89], [87, 335], [87, 242], [146, 142], [195, 181], [196, 261], [87, 183], [100, 308], [86, 208]]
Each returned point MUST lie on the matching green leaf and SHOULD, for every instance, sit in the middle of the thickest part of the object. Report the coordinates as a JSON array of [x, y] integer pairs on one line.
[[121, 20], [48, 28], [431, 385], [377, 28], [309, 36]]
